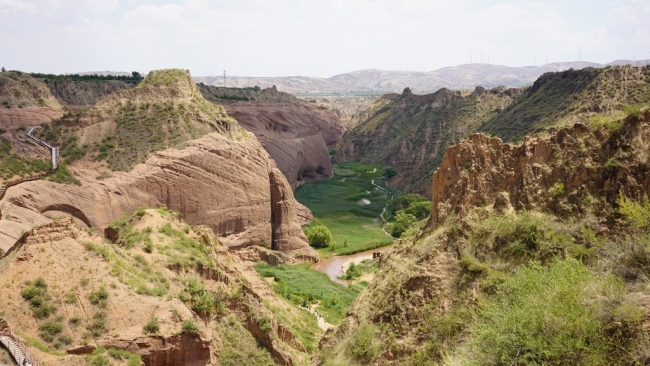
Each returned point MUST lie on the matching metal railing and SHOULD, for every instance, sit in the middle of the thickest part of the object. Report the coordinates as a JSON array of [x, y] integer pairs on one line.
[[18, 350], [55, 163]]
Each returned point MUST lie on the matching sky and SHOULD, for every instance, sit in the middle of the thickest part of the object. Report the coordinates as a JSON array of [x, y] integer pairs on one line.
[[314, 38]]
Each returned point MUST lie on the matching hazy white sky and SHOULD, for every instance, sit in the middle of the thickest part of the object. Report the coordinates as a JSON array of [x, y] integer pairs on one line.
[[314, 38]]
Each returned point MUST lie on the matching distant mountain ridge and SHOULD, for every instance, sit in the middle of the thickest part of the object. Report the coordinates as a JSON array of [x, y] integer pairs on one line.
[[375, 81]]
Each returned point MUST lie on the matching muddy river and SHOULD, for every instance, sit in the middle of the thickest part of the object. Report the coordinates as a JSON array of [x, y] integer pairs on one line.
[[333, 266]]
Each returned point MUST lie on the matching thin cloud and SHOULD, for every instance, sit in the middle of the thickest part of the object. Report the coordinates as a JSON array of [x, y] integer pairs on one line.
[[292, 37]]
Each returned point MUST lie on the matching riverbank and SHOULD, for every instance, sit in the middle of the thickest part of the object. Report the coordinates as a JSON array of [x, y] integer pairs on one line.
[[335, 267]]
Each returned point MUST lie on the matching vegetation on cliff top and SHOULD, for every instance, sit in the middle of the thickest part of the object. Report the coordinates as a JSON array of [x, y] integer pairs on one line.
[[144, 124], [558, 99], [134, 77]]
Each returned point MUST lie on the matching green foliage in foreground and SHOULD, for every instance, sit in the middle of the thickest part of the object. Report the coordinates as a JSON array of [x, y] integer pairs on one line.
[[560, 314], [304, 286], [335, 203]]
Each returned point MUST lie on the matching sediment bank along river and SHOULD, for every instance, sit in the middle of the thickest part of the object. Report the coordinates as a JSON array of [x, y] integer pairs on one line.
[[333, 266]]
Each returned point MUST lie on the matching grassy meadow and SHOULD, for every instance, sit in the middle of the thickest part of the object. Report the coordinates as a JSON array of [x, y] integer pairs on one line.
[[335, 204], [304, 286]]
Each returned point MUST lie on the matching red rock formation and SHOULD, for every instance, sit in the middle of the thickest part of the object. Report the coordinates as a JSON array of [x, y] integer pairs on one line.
[[297, 136], [232, 186], [553, 174]]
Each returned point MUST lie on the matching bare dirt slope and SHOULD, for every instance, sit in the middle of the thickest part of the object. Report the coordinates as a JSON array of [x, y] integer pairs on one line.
[[18, 89], [186, 277]]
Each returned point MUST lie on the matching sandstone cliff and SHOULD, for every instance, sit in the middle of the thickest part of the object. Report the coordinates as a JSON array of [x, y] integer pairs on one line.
[[552, 174], [223, 179], [295, 134]]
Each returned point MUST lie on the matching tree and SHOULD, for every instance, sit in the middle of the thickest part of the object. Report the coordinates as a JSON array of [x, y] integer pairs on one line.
[[319, 236], [402, 222], [390, 172], [3, 69], [420, 209]]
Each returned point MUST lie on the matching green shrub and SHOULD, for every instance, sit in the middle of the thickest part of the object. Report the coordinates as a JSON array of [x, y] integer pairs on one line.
[[148, 245], [153, 326], [633, 110], [473, 266], [420, 210], [189, 326], [556, 315], [75, 321], [64, 176], [266, 325], [557, 189], [363, 345], [390, 172], [49, 329], [98, 360], [70, 298], [118, 354], [354, 271], [319, 236], [99, 297], [403, 222], [65, 339], [98, 325], [637, 214], [203, 303]]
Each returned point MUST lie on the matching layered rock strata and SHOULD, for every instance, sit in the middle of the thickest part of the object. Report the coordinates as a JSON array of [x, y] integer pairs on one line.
[[554, 174], [224, 179]]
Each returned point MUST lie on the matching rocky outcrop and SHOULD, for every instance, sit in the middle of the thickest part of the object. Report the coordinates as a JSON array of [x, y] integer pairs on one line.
[[18, 89], [224, 336], [83, 93], [182, 349], [554, 174], [296, 134]]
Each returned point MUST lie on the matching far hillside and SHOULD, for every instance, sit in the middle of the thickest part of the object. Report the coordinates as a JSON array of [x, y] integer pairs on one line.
[[561, 99], [410, 132]]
